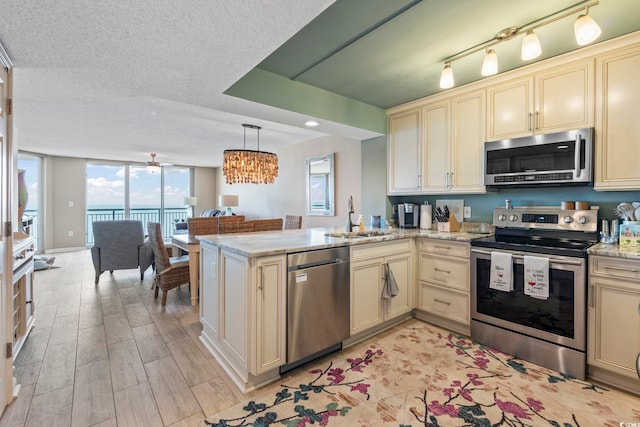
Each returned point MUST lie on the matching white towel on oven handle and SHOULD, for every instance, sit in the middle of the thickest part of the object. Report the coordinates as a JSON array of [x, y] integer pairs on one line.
[[501, 277], [536, 277]]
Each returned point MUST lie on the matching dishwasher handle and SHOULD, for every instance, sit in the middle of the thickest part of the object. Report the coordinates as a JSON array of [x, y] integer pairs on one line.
[[318, 264]]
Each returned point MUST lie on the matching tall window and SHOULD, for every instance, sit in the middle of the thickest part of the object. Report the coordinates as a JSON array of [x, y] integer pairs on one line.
[[31, 166], [132, 192]]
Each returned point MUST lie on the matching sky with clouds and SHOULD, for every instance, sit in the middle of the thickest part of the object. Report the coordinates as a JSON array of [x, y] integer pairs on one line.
[[105, 186]]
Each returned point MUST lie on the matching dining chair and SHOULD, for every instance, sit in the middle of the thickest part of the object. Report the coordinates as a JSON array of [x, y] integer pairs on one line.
[[202, 225], [171, 272], [292, 222], [268, 224], [237, 227]]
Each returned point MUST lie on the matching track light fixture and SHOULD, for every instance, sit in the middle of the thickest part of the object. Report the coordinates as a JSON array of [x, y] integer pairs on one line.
[[585, 28]]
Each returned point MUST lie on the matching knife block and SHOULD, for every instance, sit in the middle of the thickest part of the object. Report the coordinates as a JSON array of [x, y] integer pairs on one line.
[[450, 226]]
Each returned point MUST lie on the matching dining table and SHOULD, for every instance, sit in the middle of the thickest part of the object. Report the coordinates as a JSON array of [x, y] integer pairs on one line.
[[187, 243]]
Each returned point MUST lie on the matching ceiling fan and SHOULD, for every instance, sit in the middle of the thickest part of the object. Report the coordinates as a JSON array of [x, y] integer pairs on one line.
[[154, 166]]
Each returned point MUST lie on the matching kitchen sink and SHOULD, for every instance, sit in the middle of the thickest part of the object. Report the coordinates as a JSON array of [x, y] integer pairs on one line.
[[356, 234]]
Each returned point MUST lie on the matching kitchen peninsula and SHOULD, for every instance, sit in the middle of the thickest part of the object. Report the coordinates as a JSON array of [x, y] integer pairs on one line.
[[243, 304]]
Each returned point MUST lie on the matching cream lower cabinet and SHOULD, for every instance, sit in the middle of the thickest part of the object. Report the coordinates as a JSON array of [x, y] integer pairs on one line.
[[22, 298], [618, 129], [243, 314], [553, 100], [368, 307], [443, 283], [613, 331]]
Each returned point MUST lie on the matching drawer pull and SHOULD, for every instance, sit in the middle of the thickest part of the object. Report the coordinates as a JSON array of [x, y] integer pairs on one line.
[[610, 267], [446, 248], [441, 270], [442, 302]]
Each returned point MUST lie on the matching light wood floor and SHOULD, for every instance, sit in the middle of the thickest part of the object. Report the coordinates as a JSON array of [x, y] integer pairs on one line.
[[111, 355]]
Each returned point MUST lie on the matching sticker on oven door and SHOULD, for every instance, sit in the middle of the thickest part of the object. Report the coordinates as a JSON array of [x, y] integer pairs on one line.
[[302, 277]]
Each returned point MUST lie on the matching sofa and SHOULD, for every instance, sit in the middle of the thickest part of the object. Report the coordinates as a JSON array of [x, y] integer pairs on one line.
[[120, 245]]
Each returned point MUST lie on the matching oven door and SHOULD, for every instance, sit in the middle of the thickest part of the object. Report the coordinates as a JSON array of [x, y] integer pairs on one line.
[[560, 319]]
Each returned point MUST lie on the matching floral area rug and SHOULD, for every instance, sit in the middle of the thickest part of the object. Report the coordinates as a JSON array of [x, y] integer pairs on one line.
[[420, 375]]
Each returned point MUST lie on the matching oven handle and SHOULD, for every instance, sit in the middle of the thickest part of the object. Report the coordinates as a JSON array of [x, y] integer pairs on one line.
[[551, 259], [577, 155]]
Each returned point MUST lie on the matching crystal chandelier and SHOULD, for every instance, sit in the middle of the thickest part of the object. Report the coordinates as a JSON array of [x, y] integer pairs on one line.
[[250, 166]]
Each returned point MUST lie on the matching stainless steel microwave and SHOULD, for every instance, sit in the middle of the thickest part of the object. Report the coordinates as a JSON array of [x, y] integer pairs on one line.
[[562, 158]]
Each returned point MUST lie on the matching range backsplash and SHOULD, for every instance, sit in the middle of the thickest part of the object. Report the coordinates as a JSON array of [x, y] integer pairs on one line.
[[482, 205]]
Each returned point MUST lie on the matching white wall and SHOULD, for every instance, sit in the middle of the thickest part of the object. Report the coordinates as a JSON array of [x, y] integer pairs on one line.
[[287, 196], [66, 182], [204, 188], [374, 178]]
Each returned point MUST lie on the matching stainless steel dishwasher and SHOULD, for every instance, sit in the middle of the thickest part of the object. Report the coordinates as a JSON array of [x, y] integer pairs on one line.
[[317, 303]]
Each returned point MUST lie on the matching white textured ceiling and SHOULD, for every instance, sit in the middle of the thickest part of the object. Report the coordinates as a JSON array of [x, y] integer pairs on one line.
[[119, 80]]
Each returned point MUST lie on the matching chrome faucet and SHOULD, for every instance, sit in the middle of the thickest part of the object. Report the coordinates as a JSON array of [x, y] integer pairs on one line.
[[349, 226]]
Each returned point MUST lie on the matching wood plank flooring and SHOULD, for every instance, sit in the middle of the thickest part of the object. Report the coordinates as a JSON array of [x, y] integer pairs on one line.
[[111, 355]]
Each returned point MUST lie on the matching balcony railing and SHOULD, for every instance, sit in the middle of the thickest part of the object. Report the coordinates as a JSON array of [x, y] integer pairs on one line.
[[170, 217], [168, 220]]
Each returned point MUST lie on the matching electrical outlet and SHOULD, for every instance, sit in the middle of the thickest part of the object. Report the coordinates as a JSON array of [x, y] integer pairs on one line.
[[70, 233], [467, 212]]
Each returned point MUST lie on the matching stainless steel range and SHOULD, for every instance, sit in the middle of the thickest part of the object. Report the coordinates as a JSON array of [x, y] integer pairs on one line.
[[550, 330]]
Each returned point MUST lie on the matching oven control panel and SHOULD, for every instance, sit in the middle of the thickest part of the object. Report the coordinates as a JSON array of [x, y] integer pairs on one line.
[[547, 217]]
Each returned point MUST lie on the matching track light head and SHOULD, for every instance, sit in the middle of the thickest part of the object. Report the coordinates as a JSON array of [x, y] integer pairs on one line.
[[446, 78], [586, 29]]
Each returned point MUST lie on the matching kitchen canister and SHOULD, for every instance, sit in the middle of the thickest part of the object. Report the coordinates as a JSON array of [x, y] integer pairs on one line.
[[425, 217]]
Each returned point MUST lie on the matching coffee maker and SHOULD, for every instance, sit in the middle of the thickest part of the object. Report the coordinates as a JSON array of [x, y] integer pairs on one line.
[[408, 215]]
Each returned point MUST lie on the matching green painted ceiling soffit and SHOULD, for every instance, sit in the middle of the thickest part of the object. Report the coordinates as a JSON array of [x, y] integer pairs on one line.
[[272, 89]]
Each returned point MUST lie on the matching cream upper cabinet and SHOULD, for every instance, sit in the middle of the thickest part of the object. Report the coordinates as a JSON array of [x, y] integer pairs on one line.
[[436, 122], [403, 155], [617, 125], [454, 131], [510, 109], [613, 331], [557, 99], [469, 133]]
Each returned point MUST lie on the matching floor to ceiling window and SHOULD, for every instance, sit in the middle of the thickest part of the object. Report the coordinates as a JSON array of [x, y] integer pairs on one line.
[[133, 192], [30, 164]]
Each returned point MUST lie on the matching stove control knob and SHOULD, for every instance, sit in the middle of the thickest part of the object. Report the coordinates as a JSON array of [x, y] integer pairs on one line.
[[583, 220], [513, 217], [568, 219], [502, 217]]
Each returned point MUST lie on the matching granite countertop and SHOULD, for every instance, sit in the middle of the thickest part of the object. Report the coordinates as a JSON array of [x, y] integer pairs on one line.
[[289, 241], [614, 250]]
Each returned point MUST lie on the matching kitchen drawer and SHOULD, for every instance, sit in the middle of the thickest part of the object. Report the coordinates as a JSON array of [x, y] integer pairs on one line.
[[374, 250], [443, 302], [615, 267], [444, 247], [449, 272]]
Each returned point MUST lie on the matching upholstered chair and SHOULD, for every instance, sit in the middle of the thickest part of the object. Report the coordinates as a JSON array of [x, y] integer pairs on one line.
[[171, 272], [120, 245]]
